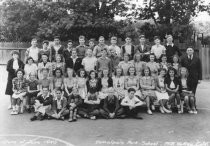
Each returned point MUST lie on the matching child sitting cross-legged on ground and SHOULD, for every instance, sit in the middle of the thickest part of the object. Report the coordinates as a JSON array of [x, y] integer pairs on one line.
[[42, 105], [111, 107], [59, 108], [131, 103]]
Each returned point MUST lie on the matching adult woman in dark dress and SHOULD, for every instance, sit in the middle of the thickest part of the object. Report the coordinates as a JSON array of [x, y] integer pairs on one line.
[[12, 66]]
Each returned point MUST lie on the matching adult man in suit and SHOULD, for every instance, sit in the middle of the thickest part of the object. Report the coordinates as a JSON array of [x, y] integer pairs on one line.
[[74, 62], [193, 64], [171, 49], [143, 49]]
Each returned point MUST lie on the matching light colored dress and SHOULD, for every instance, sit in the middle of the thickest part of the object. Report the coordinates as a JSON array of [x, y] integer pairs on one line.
[[147, 81], [163, 94], [132, 83], [106, 88], [30, 69], [139, 66], [81, 85], [69, 84], [119, 86], [153, 68]]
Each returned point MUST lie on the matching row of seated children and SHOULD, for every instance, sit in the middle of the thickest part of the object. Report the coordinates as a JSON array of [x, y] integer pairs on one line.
[[147, 89]]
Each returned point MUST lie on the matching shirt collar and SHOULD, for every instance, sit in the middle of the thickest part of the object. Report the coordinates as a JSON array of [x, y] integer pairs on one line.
[[82, 45], [60, 98], [74, 58], [191, 56], [48, 94], [170, 44]]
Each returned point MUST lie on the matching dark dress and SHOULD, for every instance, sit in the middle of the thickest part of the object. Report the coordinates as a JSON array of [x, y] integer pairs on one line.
[[11, 75]]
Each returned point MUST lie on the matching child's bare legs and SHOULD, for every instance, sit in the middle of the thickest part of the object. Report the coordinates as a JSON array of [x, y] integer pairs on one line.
[[177, 96], [161, 106], [186, 101], [14, 102], [75, 114], [170, 101], [71, 115], [148, 105], [192, 103]]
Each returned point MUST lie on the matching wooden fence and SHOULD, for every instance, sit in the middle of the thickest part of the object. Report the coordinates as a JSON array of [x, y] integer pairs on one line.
[[202, 51], [205, 60]]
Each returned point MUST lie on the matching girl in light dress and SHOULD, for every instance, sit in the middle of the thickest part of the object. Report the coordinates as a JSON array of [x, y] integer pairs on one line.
[[162, 95], [125, 64], [154, 66], [59, 63], [147, 83], [81, 83], [106, 83], [138, 64], [187, 96], [132, 81], [69, 82], [30, 67], [119, 83]]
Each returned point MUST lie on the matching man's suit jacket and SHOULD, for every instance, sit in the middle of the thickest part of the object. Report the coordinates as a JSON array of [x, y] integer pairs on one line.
[[194, 69], [75, 66], [66, 54], [139, 49]]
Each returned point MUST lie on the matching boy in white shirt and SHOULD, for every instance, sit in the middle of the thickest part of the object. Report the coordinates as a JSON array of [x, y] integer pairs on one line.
[[89, 62], [131, 104], [114, 46], [158, 49], [33, 51]]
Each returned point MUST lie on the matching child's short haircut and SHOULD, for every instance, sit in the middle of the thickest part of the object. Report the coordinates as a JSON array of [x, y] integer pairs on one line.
[[44, 54], [156, 37], [45, 42], [131, 89], [34, 39], [45, 87], [57, 37], [23, 72], [142, 36], [58, 89], [92, 40], [70, 41], [29, 59], [45, 69], [128, 36], [114, 38], [32, 73], [81, 37], [101, 37]]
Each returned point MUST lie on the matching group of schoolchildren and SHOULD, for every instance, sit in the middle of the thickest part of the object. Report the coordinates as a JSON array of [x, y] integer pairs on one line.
[[98, 81]]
